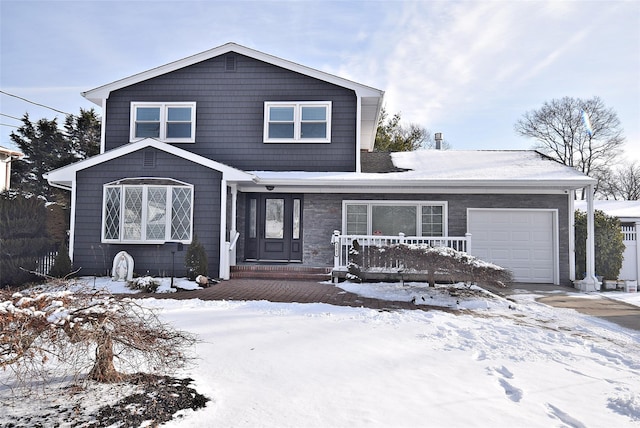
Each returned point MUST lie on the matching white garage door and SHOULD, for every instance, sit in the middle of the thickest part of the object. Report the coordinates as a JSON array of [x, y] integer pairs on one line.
[[519, 240]]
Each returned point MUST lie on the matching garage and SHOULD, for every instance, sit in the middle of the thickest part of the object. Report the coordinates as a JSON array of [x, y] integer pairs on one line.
[[521, 240]]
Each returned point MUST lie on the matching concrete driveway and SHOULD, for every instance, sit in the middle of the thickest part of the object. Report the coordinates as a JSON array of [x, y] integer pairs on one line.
[[597, 305]]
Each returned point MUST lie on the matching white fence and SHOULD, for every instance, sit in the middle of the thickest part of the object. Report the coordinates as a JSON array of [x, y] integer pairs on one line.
[[344, 243], [631, 262]]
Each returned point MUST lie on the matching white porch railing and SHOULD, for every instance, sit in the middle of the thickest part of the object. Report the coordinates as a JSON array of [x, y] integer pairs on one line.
[[228, 256], [343, 243]]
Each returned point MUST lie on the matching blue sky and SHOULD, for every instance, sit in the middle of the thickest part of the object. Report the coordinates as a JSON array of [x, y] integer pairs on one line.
[[467, 69]]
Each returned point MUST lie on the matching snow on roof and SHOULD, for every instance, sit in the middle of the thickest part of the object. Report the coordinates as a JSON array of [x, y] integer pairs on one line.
[[484, 164], [450, 167], [629, 210]]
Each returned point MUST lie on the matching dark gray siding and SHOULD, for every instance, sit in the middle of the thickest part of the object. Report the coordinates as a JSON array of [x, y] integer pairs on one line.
[[95, 258], [230, 111], [323, 215]]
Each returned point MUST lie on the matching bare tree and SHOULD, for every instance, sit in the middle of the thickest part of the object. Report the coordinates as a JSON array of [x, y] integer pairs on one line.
[[583, 134], [89, 332], [622, 183]]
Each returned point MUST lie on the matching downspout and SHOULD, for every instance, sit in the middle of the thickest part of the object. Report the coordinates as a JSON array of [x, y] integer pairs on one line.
[[103, 128], [72, 220], [590, 282], [358, 130], [637, 278]]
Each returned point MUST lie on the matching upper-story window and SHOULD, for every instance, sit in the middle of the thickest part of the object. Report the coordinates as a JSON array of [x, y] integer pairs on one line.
[[297, 122], [170, 122]]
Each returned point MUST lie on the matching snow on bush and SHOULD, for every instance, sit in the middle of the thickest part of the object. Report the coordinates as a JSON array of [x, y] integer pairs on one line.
[[88, 332], [437, 263]]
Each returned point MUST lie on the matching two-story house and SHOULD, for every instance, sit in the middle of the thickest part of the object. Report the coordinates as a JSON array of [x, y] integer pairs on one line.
[[263, 159]]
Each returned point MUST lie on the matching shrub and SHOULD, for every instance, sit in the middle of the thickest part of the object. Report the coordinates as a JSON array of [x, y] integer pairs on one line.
[[62, 264], [147, 284], [195, 260], [23, 237], [437, 263], [609, 245]]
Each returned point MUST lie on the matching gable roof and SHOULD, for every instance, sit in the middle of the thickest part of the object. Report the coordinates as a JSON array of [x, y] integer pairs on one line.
[[371, 98], [447, 170], [64, 177]]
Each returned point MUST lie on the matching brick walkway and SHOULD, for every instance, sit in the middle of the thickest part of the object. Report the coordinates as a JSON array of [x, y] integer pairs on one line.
[[288, 292]]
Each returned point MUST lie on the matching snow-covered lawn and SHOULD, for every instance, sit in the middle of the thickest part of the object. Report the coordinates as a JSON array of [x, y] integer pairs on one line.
[[490, 363]]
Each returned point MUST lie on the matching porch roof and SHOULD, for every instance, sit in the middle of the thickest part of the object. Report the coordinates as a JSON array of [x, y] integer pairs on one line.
[[446, 169]]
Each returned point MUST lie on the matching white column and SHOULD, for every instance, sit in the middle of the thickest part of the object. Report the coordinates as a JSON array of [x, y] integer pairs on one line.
[[234, 222], [590, 282], [224, 249], [572, 235]]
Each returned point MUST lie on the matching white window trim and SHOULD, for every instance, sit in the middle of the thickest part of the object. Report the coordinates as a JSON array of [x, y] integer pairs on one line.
[[169, 213], [297, 121], [418, 204], [163, 121]]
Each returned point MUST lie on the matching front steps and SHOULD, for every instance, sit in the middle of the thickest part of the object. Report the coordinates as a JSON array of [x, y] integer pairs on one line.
[[283, 271]]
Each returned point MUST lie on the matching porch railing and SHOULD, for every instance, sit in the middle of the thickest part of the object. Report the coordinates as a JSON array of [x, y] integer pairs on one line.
[[344, 243]]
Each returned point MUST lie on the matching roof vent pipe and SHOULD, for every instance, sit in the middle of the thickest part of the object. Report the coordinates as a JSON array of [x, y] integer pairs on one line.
[[438, 138]]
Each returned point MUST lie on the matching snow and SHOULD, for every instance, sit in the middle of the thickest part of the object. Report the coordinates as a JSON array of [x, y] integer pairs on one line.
[[482, 167], [624, 210], [490, 362]]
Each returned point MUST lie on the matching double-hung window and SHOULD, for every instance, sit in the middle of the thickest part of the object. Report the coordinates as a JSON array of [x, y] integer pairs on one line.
[[297, 122], [389, 218], [140, 211], [169, 122]]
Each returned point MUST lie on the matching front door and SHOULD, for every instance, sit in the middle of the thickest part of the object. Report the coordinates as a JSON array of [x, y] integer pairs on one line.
[[274, 227]]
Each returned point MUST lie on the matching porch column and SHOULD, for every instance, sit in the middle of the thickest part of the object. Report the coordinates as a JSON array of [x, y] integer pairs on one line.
[[234, 223], [224, 245], [590, 282]]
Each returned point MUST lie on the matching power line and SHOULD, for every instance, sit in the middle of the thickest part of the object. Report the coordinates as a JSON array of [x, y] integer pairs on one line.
[[6, 124], [12, 117], [32, 102]]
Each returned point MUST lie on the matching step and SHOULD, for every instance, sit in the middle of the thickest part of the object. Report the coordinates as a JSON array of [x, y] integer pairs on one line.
[[286, 272]]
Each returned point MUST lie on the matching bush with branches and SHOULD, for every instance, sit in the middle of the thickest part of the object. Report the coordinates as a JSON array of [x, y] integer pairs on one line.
[[436, 263], [87, 332]]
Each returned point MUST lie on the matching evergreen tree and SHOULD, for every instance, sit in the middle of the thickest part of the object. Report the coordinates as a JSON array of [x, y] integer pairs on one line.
[[196, 259], [62, 264], [44, 147], [82, 133]]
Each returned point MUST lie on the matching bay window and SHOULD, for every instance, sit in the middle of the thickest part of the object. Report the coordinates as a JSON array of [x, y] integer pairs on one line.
[[389, 218], [147, 211]]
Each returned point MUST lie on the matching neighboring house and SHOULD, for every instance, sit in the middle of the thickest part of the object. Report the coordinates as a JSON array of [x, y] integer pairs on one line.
[[6, 157], [628, 212], [263, 159]]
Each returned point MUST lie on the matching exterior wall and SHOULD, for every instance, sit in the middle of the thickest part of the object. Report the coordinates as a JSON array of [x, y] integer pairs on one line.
[[95, 258], [323, 215], [230, 114]]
